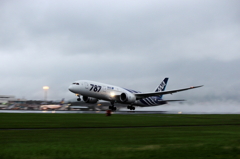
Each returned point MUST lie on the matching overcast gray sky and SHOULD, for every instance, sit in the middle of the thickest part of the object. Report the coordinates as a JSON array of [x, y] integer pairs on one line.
[[133, 44]]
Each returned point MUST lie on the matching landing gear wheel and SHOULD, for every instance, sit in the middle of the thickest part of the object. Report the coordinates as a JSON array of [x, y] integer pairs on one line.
[[131, 107], [78, 99]]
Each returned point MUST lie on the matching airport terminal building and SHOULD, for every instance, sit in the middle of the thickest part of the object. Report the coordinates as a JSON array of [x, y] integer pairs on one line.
[[6, 99]]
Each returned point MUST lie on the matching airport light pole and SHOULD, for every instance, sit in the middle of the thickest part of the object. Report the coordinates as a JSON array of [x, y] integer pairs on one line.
[[45, 88]]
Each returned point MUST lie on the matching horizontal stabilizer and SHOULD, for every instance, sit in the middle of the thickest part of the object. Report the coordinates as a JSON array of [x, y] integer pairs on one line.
[[177, 100]]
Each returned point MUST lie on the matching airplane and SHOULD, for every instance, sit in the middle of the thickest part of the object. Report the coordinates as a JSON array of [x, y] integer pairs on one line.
[[93, 91], [52, 106]]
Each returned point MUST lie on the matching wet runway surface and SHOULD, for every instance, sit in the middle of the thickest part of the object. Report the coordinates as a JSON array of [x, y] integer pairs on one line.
[[84, 112], [114, 112]]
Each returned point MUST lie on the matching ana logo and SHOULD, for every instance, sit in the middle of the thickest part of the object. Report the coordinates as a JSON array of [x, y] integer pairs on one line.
[[110, 87]]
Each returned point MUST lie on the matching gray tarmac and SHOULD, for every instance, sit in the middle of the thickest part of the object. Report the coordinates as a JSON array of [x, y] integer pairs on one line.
[[114, 112], [82, 112]]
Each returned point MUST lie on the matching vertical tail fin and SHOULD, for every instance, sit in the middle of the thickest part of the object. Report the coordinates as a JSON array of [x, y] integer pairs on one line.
[[62, 102], [162, 86]]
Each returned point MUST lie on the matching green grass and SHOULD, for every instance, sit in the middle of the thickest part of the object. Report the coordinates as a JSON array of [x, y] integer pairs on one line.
[[221, 141], [100, 120]]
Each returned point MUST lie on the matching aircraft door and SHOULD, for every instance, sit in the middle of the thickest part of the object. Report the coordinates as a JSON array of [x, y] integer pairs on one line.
[[104, 88], [86, 85]]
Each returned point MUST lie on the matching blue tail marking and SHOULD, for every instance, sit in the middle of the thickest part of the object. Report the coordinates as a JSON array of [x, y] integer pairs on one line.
[[161, 87]]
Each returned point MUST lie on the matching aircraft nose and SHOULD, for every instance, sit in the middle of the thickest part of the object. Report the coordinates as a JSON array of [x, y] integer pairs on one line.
[[70, 88]]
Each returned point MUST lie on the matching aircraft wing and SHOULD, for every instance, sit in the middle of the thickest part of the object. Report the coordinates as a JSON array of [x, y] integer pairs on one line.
[[145, 95]]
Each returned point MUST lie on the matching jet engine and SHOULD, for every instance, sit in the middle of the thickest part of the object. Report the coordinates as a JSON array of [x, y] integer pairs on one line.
[[89, 99], [127, 98]]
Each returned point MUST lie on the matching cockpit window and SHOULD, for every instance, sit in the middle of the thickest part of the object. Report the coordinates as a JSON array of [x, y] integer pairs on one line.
[[76, 83]]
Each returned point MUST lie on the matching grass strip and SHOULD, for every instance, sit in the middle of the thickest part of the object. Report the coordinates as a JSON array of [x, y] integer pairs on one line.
[[159, 142], [117, 120], [169, 142]]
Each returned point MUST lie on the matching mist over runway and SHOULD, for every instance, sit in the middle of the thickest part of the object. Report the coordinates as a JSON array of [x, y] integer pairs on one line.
[[198, 108]]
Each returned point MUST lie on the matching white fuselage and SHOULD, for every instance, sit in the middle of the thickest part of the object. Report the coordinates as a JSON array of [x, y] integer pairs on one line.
[[103, 91], [44, 107], [93, 91]]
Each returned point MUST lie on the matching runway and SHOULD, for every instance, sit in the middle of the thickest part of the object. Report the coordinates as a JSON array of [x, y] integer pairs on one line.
[[114, 112], [83, 112]]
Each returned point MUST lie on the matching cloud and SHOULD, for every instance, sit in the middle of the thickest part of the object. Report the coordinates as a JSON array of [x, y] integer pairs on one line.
[[126, 43]]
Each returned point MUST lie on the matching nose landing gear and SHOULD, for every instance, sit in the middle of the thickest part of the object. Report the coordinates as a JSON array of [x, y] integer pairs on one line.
[[78, 99]]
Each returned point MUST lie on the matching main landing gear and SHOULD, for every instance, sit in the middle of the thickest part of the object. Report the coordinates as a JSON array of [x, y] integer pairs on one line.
[[112, 106], [131, 107]]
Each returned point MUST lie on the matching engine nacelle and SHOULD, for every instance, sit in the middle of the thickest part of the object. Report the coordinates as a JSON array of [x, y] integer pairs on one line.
[[127, 98], [90, 99]]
